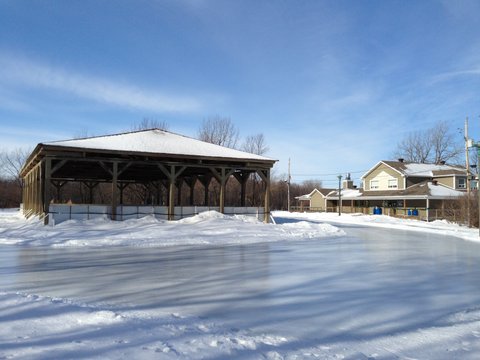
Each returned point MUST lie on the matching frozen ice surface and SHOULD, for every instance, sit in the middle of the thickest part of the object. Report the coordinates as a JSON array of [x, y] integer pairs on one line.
[[374, 293]]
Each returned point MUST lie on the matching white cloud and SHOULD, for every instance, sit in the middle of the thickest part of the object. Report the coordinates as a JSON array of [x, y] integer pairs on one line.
[[20, 71], [454, 74]]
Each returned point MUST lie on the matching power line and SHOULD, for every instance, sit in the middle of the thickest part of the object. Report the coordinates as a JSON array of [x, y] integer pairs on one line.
[[334, 174]]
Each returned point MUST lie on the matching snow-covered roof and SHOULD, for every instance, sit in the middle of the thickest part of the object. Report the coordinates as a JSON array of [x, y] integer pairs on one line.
[[156, 141], [442, 191], [346, 193], [420, 170], [425, 189], [429, 170], [324, 192]]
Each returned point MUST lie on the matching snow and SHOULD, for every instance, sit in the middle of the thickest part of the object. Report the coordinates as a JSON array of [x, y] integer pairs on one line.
[[426, 170], [157, 141], [441, 227], [207, 228], [443, 191], [355, 317]]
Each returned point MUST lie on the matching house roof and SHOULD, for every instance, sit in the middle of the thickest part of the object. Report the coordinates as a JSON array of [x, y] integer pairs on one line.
[[323, 191], [410, 169], [422, 190], [156, 141]]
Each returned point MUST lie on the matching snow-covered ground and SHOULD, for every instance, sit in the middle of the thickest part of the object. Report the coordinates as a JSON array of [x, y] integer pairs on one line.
[[355, 312], [206, 228], [441, 227]]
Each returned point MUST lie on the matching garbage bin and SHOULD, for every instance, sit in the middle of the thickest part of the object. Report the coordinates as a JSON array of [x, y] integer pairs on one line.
[[409, 212], [415, 212]]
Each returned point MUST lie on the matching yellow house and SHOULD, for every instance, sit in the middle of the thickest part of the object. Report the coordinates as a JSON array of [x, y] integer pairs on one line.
[[315, 201], [396, 188]]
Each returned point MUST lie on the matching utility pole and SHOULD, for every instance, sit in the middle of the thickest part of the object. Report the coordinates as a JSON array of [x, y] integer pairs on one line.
[[468, 171], [339, 195], [288, 186]]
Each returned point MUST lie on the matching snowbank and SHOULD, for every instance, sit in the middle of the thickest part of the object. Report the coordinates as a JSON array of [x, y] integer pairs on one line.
[[39, 327], [210, 228], [441, 227]]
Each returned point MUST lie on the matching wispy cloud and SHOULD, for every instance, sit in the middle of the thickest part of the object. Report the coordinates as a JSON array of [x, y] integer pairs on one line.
[[455, 74], [37, 75]]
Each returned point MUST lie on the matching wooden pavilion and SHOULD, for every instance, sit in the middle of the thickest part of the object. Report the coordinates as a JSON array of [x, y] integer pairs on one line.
[[137, 157]]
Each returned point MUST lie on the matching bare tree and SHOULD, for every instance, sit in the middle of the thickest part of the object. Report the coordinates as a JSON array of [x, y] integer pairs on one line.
[[11, 163], [11, 183], [220, 131], [433, 145], [255, 144], [147, 123]]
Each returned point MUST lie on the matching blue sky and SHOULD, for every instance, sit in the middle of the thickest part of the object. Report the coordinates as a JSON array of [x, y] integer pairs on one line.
[[333, 85]]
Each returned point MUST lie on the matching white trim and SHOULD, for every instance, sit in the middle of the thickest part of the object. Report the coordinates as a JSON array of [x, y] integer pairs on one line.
[[392, 186], [377, 185], [376, 165]]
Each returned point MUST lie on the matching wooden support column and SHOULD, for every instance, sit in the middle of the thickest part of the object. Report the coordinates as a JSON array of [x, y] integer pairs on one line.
[[58, 187], [191, 183], [205, 181], [122, 187], [265, 175], [114, 189], [91, 185], [179, 191], [38, 191], [29, 193], [242, 178], [46, 188], [172, 175], [222, 178], [171, 197], [28, 204]]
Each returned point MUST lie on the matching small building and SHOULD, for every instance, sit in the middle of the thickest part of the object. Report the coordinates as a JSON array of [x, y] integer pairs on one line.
[[315, 201], [156, 156], [400, 188]]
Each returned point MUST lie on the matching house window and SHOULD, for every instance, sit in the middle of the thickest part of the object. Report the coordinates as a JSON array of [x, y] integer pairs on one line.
[[462, 183], [393, 183], [374, 184]]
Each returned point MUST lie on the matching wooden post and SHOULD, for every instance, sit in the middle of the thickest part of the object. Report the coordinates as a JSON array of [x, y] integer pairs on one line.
[[46, 189], [242, 179], [114, 189], [222, 191], [205, 181], [171, 175], [38, 190], [222, 178], [179, 191], [267, 198], [191, 183], [171, 194], [265, 175]]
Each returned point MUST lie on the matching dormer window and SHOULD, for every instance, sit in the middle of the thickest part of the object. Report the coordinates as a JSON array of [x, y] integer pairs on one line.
[[393, 183], [462, 183]]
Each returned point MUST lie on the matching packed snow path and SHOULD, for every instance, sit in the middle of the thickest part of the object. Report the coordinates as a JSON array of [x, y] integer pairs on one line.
[[370, 294]]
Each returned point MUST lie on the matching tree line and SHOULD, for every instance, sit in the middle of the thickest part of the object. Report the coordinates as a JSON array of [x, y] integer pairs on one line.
[[433, 145]]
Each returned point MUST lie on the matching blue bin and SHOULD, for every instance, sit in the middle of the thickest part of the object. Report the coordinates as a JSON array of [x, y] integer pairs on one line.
[[415, 212], [409, 212]]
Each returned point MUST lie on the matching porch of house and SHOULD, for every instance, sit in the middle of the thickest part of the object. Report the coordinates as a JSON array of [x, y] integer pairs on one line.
[[420, 209]]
